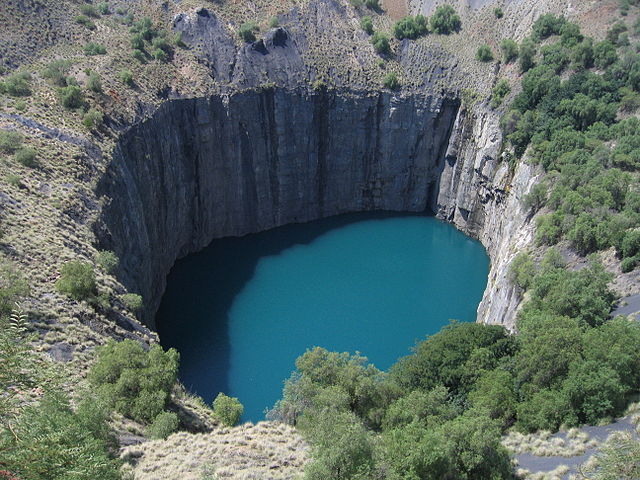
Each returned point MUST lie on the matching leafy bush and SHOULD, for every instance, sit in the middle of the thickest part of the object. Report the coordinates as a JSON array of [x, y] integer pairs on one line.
[[509, 50], [57, 72], [89, 10], [137, 41], [372, 4], [13, 286], [411, 27], [126, 77], [498, 12], [139, 55], [103, 8], [137, 383], [145, 28], [391, 81], [132, 301], [380, 43], [501, 90], [547, 25], [522, 270], [160, 55], [27, 157], [227, 409], [247, 31], [484, 53], [107, 260], [51, 441], [94, 83], [93, 119], [78, 280], [17, 85], [163, 425], [10, 141], [85, 22], [445, 20], [367, 24], [527, 53], [93, 48], [71, 97]]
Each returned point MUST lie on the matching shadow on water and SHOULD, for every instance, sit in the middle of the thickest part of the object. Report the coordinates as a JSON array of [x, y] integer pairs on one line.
[[197, 325]]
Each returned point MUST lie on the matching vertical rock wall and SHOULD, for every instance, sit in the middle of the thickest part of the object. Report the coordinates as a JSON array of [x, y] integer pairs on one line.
[[206, 168]]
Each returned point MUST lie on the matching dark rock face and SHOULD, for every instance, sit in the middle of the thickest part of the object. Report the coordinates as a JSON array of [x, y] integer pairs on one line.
[[206, 168]]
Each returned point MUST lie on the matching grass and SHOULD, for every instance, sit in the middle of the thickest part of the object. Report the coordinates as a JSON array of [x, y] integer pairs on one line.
[[265, 450]]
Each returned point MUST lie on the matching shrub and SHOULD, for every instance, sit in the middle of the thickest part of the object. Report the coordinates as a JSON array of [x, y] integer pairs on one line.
[[107, 260], [132, 301], [509, 50], [629, 264], [139, 55], [367, 24], [498, 12], [103, 8], [77, 280], [94, 83], [20, 105], [372, 4], [27, 157], [380, 43], [445, 20], [227, 409], [137, 41], [137, 383], [145, 28], [501, 90], [391, 81], [51, 441], [13, 286], [484, 53], [93, 48], [161, 43], [247, 31], [274, 22], [126, 77], [547, 25], [89, 10], [160, 55], [71, 97], [17, 85], [10, 141], [522, 270], [85, 22], [93, 119], [604, 54], [163, 425], [527, 54], [410, 27], [57, 71]]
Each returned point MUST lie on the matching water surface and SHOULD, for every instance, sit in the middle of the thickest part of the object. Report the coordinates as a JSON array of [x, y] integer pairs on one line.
[[243, 309]]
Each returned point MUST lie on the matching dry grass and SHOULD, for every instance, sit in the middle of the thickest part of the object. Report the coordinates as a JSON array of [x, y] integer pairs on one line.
[[542, 443], [557, 473], [267, 450]]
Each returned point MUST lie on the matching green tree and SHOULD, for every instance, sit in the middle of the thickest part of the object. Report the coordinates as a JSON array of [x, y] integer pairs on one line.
[[391, 81], [509, 50], [163, 425], [494, 393], [52, 441], [484, 53], [380, 43], [367, 24], [527, 54], [522, 270], [71, 97], [137, 383], [78, 280], [248, 30], [445, 20], [227, 409]]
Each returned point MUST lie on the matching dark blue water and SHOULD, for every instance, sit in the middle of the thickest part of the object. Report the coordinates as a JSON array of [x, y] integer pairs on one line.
[[242, 310]]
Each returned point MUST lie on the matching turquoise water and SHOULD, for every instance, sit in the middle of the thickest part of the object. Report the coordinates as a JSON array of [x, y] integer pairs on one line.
[[242, 310]]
